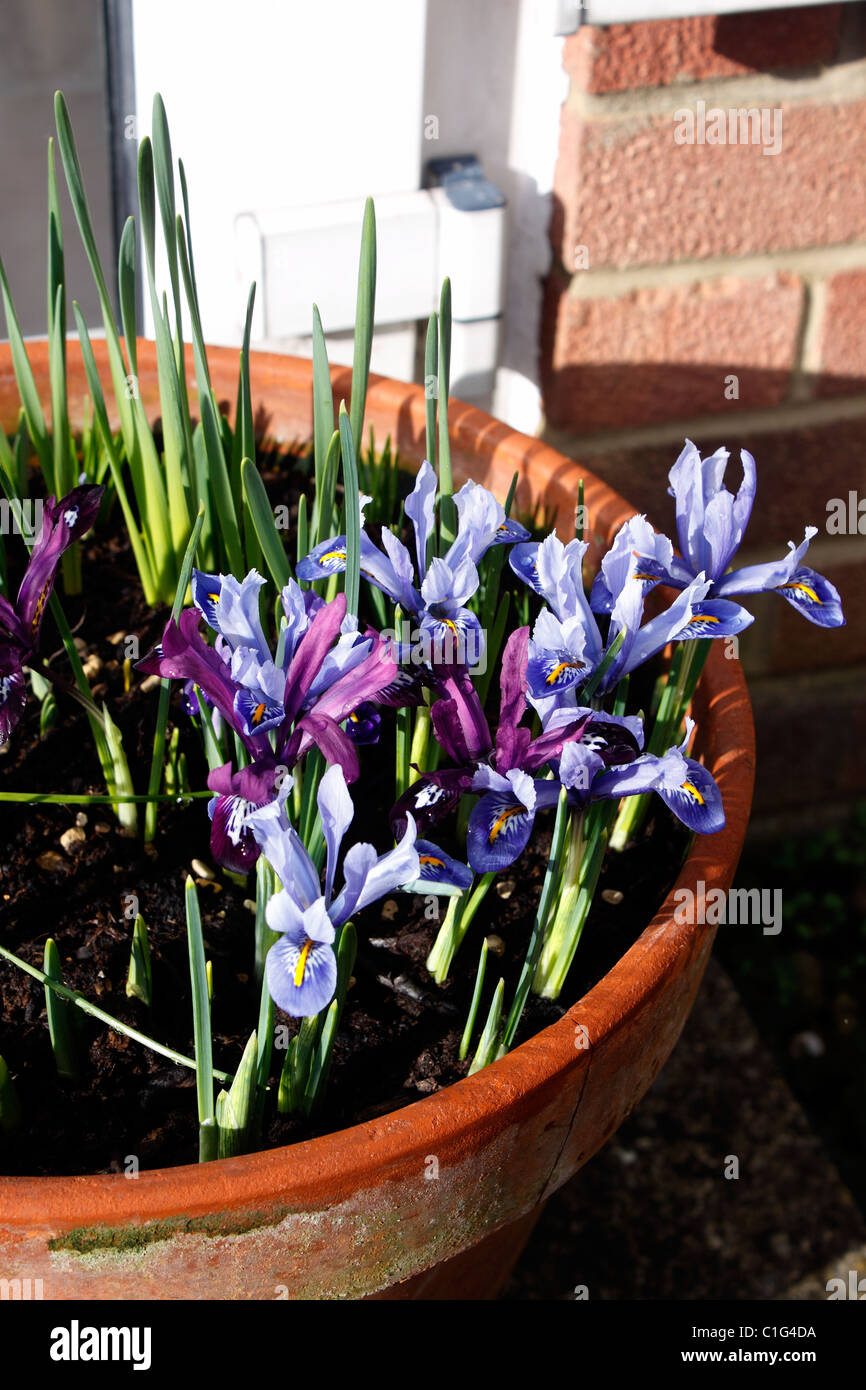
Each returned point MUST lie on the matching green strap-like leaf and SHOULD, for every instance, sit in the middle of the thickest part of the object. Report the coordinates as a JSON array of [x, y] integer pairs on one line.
[[200, 1005], [61, 1019], [351, 493], [364, 315], [323, 409], [263, 520]]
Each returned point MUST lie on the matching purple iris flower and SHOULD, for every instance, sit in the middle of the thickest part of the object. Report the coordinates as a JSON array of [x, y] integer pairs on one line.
[[567, 646], [435, 594], [20, 623], [363, 724], [711, 523], [301, 967], [237, 795], [506, 763], [501, 821], [278, 712]]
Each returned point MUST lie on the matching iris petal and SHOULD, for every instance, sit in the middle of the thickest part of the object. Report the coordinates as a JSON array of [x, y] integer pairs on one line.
[[232, 843], [813, 596], [498, 832], [257, 712], [329, 557], [697, 802], [714, 618], [549, 672], [13, 696], [439, 867], [312, 964]]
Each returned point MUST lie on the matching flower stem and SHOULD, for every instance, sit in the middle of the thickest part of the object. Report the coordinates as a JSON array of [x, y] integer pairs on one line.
[[458, 919], [587, 844], [420, 738], [683, 676]]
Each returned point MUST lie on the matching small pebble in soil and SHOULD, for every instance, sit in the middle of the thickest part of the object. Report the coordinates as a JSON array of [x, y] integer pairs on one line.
[[92, 666], [80, 644], [807, 1044], [389, 910], [845, 1009], [101, 828], [249, 905], [612, 896], [150, 683], [505, 887], [201, 870], [81, 819], [115, 638], [73, 839], [52, 862], [84, 953], [495, 944]]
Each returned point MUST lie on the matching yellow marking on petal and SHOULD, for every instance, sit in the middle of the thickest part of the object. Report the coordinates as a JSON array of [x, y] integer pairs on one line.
[[332, 555], [692, 791], [354, 718], [704, 618], [804, 588], [40, 604], [448, 623], [653, 577], [431, 859], [302, 963], [257, 714], [557, 670], [498, 824], [214, 598]]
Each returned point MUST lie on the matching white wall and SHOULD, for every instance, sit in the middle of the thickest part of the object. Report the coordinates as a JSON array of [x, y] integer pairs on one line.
[[494, 76], [279, 103]]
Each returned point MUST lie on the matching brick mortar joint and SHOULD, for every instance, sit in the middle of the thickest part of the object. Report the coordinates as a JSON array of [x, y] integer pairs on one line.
[[844, 82], [812, 264], [782, 419]]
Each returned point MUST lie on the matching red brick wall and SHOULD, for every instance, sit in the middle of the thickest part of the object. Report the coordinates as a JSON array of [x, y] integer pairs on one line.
[[679, 265]]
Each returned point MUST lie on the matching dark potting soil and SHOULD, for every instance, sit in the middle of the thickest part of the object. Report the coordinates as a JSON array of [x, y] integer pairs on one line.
[[400, 1032]]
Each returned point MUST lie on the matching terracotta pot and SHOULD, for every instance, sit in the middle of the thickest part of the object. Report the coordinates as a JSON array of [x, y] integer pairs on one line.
[[437, 1199]]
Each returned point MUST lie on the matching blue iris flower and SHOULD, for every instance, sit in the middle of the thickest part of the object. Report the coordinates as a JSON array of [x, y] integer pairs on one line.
[[501, 821], [711, 524], [301, 967], [435, 592], [567, 646]]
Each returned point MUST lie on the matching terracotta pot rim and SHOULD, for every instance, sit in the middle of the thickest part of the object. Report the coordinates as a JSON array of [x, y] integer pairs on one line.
[[297, 1174]]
